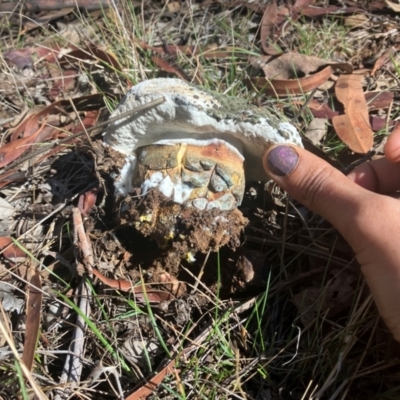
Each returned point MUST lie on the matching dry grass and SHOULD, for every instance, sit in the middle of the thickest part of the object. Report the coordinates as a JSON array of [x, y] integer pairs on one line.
[[310, 331]]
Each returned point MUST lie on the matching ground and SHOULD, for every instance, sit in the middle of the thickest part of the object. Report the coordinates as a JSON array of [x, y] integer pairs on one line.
[[281, 313]]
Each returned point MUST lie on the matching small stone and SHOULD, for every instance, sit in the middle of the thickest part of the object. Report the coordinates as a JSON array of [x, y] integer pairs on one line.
[[253, 268]]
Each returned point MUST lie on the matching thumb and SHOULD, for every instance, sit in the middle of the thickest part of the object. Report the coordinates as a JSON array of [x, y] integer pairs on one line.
[[392, 147], [365, 219], [319, 186]]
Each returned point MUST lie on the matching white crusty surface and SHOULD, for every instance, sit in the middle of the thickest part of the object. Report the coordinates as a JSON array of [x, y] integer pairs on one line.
[[193, 113]]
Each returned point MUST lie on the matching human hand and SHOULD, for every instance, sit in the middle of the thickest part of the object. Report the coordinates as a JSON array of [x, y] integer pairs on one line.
[[363, 208]]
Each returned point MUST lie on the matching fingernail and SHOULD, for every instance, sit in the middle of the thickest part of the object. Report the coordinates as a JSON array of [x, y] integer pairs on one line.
[[282, 160]]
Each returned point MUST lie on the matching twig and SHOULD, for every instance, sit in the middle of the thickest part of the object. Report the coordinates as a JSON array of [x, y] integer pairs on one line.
[[199, 276], [297, 115], [82, 243], [85, 131], [6, 120], [204, 286], [73, 365]]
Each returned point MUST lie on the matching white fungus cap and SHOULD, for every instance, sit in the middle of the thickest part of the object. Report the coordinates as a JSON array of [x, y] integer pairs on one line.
[[197, 114]]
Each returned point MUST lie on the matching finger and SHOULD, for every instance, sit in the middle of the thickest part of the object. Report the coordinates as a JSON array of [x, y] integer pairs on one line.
[[392, 147], [368, 221], [379, 176], [319, 186]]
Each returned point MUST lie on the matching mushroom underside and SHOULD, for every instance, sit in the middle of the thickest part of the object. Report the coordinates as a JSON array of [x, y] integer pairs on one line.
[[187, 193]]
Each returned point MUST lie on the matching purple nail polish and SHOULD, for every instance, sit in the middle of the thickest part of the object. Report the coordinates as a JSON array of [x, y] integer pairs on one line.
[[282, 160]]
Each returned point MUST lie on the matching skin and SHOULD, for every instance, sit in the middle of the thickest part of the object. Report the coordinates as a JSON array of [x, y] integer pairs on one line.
[[365, 209]]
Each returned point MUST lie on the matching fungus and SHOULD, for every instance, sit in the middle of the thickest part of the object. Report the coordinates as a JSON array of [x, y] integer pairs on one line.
[[187, 160]]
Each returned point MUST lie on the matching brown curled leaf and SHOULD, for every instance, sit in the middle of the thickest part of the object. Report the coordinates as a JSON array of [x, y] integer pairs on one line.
[[300, 4], [353, 127], [170, 68], [377, 124], [153, 295], [268, 28], [284, 87], [33, 311], [312, 11], [26, 57], [11, 151], [384, 59], [378, 99], [292, 65], [91, 53], [321, 110], [148, 388], [87, 201], [395, 7], [9, 249], [42, 5]]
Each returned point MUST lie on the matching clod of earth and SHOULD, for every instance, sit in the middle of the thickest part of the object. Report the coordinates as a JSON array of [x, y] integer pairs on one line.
[[186, 161]]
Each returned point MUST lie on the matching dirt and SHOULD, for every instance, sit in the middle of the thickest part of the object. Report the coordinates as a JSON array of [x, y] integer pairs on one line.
[[158, 235], [179, 230]]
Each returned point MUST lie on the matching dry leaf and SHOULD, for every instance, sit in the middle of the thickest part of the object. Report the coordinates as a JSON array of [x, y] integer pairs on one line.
[[148, 388], [33, 129], [25, 57], [33, 311], [353, 127], [10, 250], [293, 65], [317, 11], [34, 23], [356, 20], [316, 130], [292, 73], [377, 100], [9, 301], [87, 201], [41, 5], [383, 59], [291, 86], [139, 351], [174, 6], [6, 209], [321, 110], [153, 295], [377, 124], [172, 69], [300, 4], [334, 298], [91, 53], [395, 7], [268, 28]]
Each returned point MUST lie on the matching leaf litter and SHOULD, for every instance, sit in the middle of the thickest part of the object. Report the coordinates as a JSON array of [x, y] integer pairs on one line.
[[166, 322], [353, 127]]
